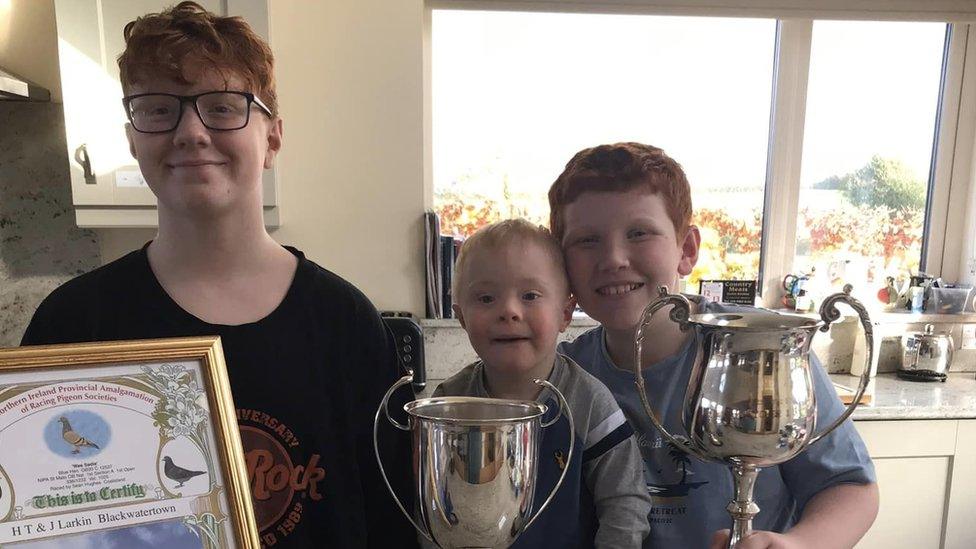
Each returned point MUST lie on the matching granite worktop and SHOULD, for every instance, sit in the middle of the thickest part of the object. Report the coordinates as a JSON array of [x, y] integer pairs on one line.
[[895, 398], [447, 350]]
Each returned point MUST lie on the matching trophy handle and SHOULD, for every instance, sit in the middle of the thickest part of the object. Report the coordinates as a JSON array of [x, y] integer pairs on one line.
[[385, 404], [952, 345], [829, 313], [682, 308], [384, 407], [788, 282], [563, 410]]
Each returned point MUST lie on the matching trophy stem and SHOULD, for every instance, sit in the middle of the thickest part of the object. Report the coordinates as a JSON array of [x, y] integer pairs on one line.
[[742, 508]]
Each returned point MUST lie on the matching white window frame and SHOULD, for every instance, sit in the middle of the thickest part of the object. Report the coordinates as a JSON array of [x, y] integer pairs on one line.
[[951, 211]]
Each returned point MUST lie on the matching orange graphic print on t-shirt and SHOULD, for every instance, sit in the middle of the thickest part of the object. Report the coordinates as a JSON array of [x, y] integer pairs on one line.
[[279, 485]]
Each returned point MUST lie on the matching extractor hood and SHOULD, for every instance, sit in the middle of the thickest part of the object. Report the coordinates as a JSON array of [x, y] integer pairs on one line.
[[14, 88]]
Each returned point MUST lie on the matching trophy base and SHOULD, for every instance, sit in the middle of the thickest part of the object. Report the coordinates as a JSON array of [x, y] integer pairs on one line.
[[921, 375]]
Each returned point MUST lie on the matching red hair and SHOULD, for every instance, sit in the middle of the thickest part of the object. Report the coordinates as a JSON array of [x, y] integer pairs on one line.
[[622, 167], [186, 35]]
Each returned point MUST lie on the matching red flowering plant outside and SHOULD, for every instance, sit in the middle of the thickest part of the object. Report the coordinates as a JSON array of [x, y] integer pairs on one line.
[[729, 247], [889, 240], [461, 216], [874, 216]]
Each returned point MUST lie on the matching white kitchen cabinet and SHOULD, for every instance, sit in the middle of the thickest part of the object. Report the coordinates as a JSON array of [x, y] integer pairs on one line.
[[927, 479], [961, 514], [106, 185]]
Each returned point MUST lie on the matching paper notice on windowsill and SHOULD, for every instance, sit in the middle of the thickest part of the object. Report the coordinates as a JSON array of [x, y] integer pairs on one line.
[[846, 393]]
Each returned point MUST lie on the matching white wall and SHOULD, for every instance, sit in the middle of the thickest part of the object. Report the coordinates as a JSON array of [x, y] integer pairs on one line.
[[350, 80]]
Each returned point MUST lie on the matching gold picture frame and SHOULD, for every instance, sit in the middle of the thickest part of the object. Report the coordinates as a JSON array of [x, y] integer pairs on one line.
[[79, 424]]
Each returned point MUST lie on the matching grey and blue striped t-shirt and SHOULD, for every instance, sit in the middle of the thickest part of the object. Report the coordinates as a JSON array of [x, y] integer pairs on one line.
[[603, 501]]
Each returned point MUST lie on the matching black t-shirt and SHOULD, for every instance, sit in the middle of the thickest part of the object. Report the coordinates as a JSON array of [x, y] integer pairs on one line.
[[306, 381]]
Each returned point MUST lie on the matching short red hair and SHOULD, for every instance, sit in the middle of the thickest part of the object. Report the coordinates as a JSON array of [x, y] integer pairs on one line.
[[622, 167], [186, 35]]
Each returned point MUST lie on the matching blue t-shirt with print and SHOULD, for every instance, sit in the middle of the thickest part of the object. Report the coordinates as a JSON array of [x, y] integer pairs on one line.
[[689, 496]]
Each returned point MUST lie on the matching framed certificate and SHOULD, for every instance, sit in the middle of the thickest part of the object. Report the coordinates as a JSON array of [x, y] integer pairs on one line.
[[121, 444]]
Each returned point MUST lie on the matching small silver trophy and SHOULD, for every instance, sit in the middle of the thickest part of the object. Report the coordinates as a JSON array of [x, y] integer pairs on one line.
[[750, 400], [474, 465]]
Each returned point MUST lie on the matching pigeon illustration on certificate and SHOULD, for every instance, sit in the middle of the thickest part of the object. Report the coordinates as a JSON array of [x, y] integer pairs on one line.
[[97, 450]]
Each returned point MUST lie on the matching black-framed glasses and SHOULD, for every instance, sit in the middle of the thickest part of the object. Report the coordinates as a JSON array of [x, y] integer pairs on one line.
[[218, 110]]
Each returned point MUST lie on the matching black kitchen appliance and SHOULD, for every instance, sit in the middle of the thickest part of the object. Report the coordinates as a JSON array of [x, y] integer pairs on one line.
[[409, 338], [926, 355]]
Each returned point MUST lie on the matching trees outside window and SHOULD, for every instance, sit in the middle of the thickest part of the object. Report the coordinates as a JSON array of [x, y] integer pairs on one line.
[[510, 106]]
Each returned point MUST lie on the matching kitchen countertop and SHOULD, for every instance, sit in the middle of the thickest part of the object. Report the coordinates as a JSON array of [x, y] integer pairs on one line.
[[895, 398], [447, 350]]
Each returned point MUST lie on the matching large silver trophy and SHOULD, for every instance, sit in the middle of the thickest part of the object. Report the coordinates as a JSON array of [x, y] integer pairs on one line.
[[750, 400], [474, 465]]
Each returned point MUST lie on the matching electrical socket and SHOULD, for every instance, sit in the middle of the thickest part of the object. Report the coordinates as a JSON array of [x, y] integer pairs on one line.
[[968, 336]]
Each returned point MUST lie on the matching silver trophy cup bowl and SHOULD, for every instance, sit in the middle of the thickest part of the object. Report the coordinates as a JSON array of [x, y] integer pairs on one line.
[[474, 465], [750, 400]]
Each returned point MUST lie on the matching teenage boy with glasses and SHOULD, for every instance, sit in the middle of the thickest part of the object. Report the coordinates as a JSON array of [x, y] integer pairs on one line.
[[307, 353], [217, 110]]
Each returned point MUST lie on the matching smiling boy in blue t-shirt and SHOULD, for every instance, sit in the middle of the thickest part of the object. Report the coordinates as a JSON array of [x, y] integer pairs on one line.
[[622, 214]]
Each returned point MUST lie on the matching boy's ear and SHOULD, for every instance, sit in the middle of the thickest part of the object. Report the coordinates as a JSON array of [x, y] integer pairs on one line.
[[128, 135], [568, 313], [458, 314], [274, 142], [689, 250]]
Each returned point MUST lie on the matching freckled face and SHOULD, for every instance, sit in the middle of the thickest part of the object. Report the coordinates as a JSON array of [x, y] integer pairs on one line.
[[196, 169], [619, 247]]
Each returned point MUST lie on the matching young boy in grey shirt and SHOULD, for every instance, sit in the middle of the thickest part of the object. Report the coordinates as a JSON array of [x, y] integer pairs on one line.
[[512, 298]]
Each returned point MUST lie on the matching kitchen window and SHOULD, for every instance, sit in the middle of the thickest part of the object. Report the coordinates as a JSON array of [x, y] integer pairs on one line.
[[515, 95], [868, 149], [810, 144]]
